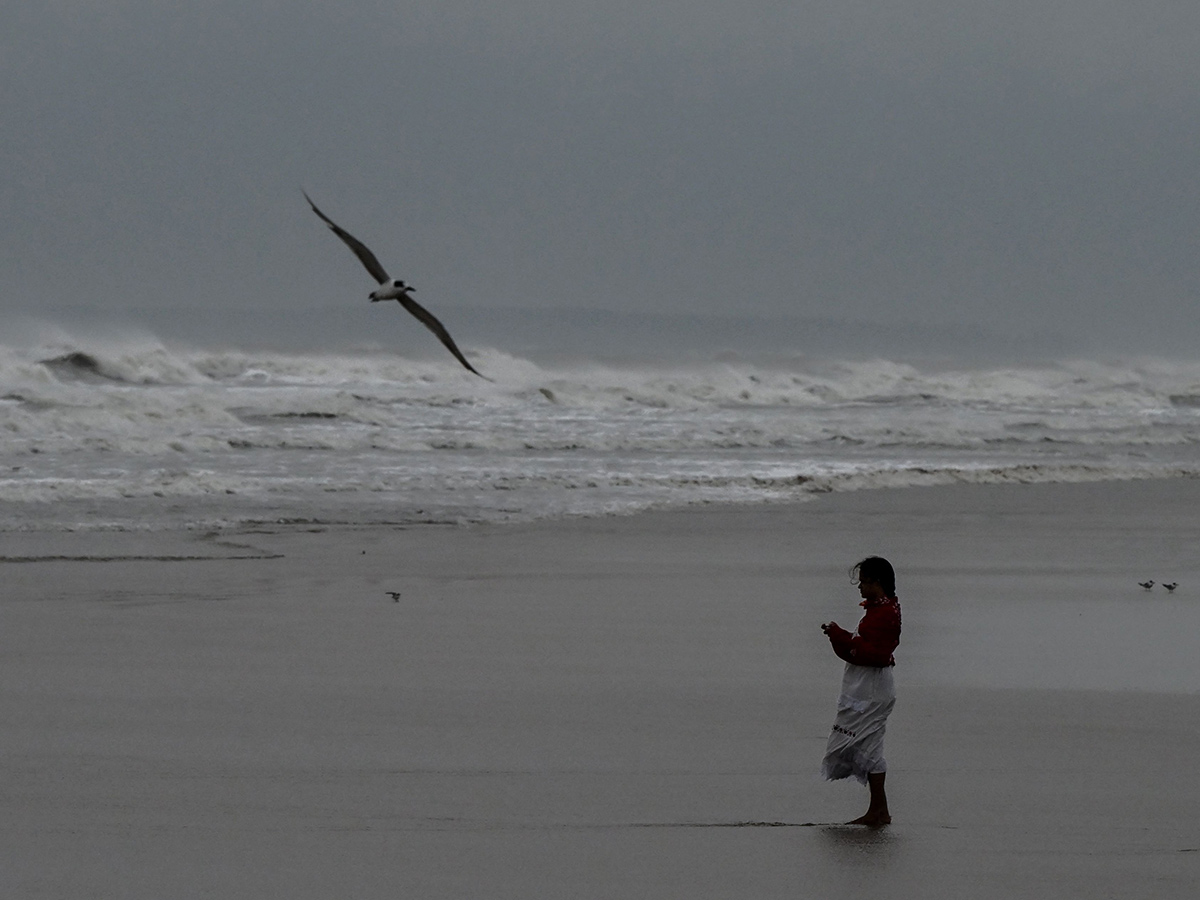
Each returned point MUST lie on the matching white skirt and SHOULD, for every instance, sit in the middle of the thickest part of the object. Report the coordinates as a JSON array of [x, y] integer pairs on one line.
[[856, 742]]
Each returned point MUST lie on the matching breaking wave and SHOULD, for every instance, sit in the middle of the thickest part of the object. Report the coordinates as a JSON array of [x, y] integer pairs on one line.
[[132, 420]]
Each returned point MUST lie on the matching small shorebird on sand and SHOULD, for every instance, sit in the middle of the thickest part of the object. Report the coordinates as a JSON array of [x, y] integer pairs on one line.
[[1147, 584], [1171, 587]]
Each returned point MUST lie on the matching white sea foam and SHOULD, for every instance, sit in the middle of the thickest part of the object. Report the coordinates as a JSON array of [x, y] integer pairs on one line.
[[125, 426]]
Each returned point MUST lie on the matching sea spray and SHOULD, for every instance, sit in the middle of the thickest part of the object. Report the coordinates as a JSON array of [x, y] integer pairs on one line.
[[130, 432]]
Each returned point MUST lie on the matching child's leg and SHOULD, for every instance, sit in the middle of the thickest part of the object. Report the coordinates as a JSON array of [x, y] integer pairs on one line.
[[877, 813]]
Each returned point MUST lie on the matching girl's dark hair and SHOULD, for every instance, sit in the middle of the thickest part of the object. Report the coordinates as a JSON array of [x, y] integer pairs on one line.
[[878, 570]]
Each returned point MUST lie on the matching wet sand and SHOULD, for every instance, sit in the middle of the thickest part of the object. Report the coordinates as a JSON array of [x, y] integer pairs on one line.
[[608, 708]]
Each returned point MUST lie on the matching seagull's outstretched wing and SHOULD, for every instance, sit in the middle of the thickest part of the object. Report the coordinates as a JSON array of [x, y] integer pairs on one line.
[[365, 256], [426, 318]]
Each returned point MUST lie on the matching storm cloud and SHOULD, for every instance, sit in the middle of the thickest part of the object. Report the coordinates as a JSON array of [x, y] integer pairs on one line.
[[1009, 165]]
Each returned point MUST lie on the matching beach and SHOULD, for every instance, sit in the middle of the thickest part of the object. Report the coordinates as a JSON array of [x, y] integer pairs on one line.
[[620, 706]]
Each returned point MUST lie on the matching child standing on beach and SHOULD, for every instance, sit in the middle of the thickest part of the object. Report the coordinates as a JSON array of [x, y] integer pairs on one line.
[[868, 691]]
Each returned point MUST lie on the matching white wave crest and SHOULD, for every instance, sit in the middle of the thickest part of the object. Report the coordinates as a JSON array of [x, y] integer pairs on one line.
[[129, 420]]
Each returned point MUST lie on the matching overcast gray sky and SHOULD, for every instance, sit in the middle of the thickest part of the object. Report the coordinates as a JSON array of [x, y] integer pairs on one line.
[[1016, 164]]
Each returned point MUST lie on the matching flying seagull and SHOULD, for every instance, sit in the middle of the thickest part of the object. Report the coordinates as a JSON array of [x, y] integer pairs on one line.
[[393, 289]]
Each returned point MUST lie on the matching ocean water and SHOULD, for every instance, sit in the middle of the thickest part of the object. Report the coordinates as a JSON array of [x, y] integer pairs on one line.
[[132, 433]]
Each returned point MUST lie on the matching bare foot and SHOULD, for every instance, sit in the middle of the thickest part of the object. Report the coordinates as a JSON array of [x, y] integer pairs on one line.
[[873, 820]]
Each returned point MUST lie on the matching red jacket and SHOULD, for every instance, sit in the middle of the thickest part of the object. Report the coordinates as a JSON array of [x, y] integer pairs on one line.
[[877, 636]]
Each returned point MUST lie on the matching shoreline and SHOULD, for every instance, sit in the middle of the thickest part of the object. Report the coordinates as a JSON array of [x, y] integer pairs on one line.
[[905, 479], [608, 706]]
